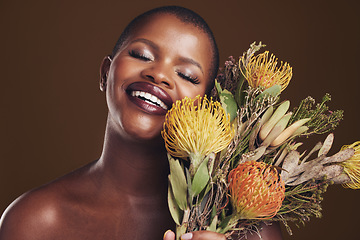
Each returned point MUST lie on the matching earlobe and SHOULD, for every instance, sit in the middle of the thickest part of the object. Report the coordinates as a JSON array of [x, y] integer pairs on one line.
[[104, 70]]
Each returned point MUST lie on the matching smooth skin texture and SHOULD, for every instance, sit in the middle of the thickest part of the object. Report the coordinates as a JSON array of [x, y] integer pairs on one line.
[[123, 195]]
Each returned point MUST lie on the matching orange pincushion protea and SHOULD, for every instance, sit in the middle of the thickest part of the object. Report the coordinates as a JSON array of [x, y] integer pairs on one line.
[[256, 190]]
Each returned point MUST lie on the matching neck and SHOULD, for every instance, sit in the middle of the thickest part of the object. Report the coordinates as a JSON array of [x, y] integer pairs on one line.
[[134, 167]]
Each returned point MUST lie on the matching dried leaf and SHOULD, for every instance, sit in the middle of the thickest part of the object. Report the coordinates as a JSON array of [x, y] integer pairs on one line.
[[307, 175], [330, 171], [326, 145], [290, 163], [340, 156]]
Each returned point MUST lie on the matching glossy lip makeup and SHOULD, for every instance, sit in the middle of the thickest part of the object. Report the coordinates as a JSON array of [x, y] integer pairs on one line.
[[149, 98]]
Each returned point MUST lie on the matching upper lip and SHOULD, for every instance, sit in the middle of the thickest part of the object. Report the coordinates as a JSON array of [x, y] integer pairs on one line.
[[152, 89]]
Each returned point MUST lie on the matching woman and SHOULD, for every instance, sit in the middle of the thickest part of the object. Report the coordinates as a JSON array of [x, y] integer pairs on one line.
[[162, 56]]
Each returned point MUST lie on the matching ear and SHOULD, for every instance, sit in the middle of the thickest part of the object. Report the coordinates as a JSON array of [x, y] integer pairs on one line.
[[104, 70]]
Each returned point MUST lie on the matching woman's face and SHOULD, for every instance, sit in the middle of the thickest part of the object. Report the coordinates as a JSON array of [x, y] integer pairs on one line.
[[162, 61]]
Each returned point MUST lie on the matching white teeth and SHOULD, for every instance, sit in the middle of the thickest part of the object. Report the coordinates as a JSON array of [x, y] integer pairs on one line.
[[147, 96], [150, 98], [153, 98]]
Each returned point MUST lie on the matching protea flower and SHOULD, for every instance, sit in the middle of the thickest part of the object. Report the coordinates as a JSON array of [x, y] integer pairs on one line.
[[262, 70], [352, 166], [256, 190], [195, 128]]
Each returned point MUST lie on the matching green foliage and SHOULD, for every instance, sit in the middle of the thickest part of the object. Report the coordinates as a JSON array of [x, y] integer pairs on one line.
[[322, 119], [302, 202], [227, 101], [175, 211], [178, 183], [201, 179], [199, 199], [272, 91]]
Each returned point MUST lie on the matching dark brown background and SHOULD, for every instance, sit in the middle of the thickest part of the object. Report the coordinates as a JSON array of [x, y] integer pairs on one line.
[[53, 114]]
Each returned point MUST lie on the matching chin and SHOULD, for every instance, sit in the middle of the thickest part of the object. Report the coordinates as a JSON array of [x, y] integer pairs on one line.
[[151, 135]]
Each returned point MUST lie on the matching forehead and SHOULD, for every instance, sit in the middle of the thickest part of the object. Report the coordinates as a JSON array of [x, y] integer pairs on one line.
[[170, 33]]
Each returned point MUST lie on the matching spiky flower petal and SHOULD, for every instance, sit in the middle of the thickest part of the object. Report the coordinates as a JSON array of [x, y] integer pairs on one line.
[[196, 127], [262, 70], [256, 189], [352, 166]]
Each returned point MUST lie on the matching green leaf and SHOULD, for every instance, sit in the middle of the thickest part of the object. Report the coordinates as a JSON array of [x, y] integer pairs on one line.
[[228, 103], [273, 91], [204, 196], [188, 180], [201, 178], [176, 212], [211, 162], [240, 94], [178, 183], [218, 87], [180, 230], [213, 224], [213, 211], [227, 224]]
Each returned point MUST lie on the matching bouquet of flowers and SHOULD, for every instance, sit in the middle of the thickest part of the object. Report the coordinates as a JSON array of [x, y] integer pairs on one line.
[[234, 160]]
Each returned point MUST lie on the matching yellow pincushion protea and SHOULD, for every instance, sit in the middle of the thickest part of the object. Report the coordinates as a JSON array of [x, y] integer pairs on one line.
[[195, 128], [262, 70], [352, 166], [256, 190]]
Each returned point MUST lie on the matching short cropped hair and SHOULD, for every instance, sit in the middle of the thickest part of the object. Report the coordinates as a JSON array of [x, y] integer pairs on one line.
[[185, 15]]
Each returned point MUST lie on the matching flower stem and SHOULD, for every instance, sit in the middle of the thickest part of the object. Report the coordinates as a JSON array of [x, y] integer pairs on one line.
[[181, 229]]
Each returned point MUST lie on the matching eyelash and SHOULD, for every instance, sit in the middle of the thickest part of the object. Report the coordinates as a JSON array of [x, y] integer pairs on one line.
[[139, 56], [191, 79], [143, 57]]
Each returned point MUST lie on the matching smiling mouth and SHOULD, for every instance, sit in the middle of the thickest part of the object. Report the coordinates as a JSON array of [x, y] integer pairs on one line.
[[149, 98]]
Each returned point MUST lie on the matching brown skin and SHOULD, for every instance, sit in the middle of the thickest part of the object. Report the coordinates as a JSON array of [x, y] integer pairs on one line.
[[123, 195]]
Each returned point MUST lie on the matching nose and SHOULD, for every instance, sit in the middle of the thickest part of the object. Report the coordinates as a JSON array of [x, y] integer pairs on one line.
[[160, 75]]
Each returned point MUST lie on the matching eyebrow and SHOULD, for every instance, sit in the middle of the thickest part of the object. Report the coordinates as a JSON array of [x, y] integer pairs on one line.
[[156, 47], [191, 61], [146, 41]]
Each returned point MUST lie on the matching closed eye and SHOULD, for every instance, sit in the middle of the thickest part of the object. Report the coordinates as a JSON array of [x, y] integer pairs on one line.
[[189, 78], [140, 56]]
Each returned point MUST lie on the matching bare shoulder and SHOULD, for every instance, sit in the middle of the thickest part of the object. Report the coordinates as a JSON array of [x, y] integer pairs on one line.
[[29, 215], [40, 213]]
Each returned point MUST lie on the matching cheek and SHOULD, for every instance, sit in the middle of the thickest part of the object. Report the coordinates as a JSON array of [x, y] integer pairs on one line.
[[124, 70], [118, 76], [191, 91]]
